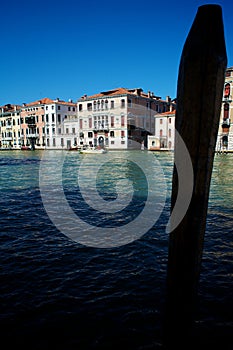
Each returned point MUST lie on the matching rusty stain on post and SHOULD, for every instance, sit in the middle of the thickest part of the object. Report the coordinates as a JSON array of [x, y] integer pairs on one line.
[[199, 97]]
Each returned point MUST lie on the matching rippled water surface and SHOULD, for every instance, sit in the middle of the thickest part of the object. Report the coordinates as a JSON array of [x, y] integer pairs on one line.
[[59, 294]]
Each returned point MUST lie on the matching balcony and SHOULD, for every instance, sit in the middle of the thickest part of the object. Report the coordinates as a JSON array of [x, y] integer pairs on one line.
[[227, 98], [7, 138], [101, 129], [226, 124]]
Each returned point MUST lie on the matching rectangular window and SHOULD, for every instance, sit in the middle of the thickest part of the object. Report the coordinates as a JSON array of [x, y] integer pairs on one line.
[[59, 107], [47, 118], [122, 103], [112, 104], [67, 130], [54, 142], [112, 122], [62, 142], [90, 123], [122, 133], [122, 120], [59, 131], [89, 106], [59, 118], [80, 123], [73, 130], [53, 119], [161, 121]]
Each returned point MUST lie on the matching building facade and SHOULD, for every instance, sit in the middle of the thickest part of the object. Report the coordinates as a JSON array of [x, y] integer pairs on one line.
[[164, 136], [47, 124], [225, 132], [120, 118], [10, 126]]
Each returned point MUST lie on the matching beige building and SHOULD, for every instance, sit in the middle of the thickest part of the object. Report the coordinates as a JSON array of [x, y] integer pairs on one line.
[[47, 124], [225, 132], [10, 126], [120, 118], [164, 136]]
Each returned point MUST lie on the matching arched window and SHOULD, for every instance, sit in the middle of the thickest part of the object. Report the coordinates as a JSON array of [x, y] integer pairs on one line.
[[122, 103], [227, 89], [225, 140], [226, 111]]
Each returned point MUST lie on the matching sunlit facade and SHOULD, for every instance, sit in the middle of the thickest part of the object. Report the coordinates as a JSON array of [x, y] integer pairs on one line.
[[120, 118], [225, 132]]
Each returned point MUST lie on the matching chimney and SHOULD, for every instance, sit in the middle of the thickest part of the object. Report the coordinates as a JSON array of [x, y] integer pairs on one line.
[[148, 94], [138, 91]]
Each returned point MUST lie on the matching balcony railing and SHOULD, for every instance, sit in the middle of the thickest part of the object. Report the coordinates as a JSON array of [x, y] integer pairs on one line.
[[32, 136], [100, 129]]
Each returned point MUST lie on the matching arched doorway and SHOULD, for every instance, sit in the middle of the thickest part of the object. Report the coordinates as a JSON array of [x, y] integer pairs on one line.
[[101, 141]]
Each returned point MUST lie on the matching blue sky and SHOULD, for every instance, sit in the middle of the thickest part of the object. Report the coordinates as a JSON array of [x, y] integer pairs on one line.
[[69, 48]]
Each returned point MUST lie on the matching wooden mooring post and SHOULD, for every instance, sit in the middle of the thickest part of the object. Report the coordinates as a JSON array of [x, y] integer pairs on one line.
[[199, 97]]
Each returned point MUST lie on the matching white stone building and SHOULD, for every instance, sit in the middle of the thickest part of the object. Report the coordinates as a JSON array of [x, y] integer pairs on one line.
[[225, 132], [49, 124], [10, 126], [120, 118], [164, 136]]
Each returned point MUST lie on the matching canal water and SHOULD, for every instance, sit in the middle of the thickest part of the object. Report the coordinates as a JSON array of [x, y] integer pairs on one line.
[[106, 290]]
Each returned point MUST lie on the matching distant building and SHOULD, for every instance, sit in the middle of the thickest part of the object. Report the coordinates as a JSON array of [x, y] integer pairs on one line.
[[120, 118], [10, 126], [48, 124], [164, 136], [225, 132]]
